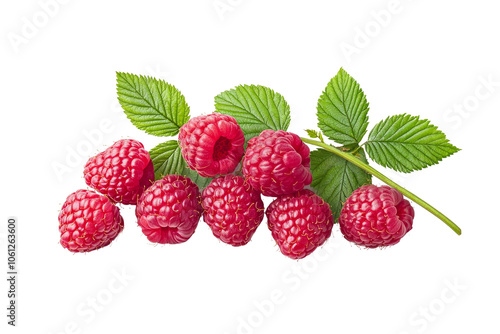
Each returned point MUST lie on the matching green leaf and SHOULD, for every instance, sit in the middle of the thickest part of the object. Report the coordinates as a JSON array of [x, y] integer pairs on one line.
[[201, 181], [406, 143], [167, 159], [343, 110], [315, 134], [335, 178], [320, 136], [312, 133], [255, 108], [152, 105]]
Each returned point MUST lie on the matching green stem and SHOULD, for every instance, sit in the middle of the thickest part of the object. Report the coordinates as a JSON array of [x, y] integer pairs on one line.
[[352, 159], [356, 150]]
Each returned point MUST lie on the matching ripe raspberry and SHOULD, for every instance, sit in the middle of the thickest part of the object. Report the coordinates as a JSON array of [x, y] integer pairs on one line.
[[121, 172], [88, 221], [212, 144], [376, 216], [299, 222], [168, 211], [277, 163], [232, 209]]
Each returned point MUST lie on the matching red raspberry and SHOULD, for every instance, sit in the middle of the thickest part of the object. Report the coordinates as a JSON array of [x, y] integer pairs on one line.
[[168, 212], [121, 172], [277, 163], [299, 222], [212, 144], [88, 221], [232, 209], [376, 216]]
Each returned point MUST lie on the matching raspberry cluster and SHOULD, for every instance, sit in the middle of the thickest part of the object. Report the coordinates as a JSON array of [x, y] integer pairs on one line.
[[276, 163], [88, 220]]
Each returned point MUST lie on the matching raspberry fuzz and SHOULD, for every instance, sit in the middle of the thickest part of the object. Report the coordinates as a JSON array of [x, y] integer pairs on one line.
[[376, 216], [232, 209], [277, 163], [168, 212], [121, 172], [88, 221], [212, 144], [299, 222]]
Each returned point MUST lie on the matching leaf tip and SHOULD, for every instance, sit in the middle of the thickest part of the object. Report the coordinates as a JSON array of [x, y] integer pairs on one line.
[[312, 133]]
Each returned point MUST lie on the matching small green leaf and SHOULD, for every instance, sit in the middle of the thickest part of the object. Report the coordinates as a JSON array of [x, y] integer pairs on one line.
[[255, 108], [167, 160], [315, 134], [343, 110], [406, 143], [320, 135], [152, 105], [334, 178], [312, 133]]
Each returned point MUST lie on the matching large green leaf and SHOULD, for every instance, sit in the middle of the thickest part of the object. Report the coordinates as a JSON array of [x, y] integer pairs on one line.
[[343, 110], [255, 108], [152, 105], [406, 143], [334, 178]]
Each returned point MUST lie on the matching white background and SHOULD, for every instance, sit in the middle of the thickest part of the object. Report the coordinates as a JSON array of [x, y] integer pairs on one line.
[[426, 58]]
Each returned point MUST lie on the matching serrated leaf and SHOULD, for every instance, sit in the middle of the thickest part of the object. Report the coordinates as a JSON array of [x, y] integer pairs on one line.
[[335, 178], [255, 108], [343, 110], [167, 159], [406, 143], [152, 105], [320, 135], [312, 133]]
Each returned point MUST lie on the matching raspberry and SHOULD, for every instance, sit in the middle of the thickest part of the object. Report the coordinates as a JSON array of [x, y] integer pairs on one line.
[[212, 144], [168, 212], [88, 221], [121, 172], [277, 163], [376, 216], [232, 209], [299, 223]]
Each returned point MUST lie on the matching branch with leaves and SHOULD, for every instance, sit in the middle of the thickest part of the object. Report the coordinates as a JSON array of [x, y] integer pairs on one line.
[[402, 142]]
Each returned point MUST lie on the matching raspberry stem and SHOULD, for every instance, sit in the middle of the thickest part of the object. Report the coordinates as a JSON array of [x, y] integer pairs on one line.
[[351, 158]]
